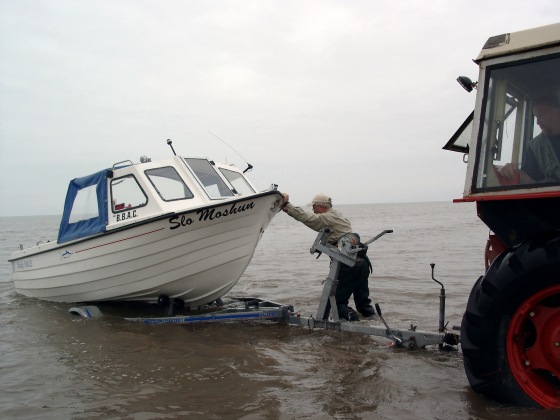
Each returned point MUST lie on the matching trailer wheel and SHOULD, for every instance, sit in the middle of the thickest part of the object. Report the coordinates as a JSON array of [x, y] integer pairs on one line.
[[510, 335]]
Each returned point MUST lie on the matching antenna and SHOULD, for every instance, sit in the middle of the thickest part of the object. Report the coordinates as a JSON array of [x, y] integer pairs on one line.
[[170, 143], [249, 166]]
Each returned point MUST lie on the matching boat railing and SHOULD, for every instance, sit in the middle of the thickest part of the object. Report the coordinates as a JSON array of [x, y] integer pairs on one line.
[[124, 161]]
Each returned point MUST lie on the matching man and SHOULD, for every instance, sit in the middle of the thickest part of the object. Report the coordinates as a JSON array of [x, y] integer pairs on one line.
[[351, 280], [541, 162]]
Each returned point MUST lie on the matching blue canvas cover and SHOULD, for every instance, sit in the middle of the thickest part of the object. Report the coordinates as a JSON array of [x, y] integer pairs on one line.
[[85, 208]]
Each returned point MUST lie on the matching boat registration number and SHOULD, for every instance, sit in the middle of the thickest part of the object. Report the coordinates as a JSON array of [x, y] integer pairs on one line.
[[22, 265]]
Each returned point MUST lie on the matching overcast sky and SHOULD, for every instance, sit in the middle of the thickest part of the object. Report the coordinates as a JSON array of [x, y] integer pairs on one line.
[[351, 98]]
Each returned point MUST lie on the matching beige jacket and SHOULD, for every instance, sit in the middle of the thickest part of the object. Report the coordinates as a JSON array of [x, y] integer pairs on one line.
[[333, 219]]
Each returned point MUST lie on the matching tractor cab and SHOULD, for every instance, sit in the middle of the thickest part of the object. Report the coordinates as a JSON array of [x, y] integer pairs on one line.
[[512, 138]]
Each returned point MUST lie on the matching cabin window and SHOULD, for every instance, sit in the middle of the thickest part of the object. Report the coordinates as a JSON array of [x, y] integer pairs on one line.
[[237, 181], [168, 184], [85, 205], [512, 151], [126, 194], [213, 184]]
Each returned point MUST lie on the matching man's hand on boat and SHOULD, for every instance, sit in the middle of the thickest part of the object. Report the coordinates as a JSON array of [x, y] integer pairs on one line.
[[286, 200]]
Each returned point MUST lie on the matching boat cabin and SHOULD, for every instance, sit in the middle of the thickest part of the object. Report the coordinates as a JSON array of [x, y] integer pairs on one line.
[[131, 193]]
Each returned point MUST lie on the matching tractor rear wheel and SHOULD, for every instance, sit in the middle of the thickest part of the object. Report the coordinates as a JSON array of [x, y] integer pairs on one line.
[[510, 334]]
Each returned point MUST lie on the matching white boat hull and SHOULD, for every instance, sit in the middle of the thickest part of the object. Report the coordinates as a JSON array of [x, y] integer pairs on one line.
[[196, 256]]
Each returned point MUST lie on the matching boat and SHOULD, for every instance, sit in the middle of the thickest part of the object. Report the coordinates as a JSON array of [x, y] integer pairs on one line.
[[182, 228]]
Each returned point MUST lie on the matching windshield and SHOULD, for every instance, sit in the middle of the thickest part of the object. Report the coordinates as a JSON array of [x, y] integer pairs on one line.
[[214, 186], [520, 133], [237, 181]]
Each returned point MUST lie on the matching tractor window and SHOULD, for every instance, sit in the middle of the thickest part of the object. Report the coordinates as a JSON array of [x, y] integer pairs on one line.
[[459, 142], [512, 152]]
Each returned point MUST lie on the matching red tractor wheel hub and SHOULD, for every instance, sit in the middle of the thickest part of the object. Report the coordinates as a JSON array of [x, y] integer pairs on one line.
[[533, 347]]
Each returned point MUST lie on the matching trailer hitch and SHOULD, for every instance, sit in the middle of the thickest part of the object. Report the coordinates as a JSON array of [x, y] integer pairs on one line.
[[442, 323], [449, 339]]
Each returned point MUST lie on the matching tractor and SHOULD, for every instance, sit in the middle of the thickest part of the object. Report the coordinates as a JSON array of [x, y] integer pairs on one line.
[[510, 332]]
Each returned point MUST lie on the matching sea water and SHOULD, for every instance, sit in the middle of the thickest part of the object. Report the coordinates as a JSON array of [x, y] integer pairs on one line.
[[57, 365]]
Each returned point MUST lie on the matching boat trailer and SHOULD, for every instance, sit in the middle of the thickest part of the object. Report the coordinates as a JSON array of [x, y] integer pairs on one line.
[[327, 317]]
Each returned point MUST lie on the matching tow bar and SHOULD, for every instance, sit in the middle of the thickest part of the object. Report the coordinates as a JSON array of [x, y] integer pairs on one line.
[[245, 309]]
